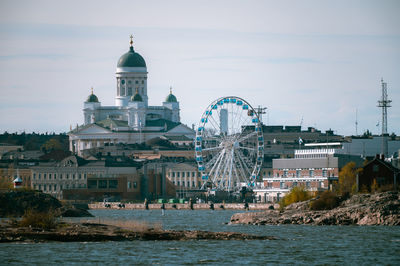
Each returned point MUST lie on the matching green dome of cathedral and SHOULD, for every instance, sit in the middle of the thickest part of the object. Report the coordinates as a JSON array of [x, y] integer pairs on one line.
[[171, 98], [92, 98], [131, 58]]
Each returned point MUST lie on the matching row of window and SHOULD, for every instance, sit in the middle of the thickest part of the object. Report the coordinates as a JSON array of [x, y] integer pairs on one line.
[[130, 91], [130, 81], [187, 183], [184, 174], [55, 187], [298, 173], [307, 184], [61, 176]]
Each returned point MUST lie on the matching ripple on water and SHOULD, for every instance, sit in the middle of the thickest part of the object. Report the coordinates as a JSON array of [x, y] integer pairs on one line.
[[300, 245]]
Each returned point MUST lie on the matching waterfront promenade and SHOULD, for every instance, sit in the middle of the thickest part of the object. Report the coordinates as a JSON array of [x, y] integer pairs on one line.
[[182, 206]]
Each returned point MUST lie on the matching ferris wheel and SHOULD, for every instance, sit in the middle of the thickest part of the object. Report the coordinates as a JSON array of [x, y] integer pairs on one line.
[[229, 145]]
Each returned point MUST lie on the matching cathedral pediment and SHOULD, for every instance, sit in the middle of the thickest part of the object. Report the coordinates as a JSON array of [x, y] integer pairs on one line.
[[92, 129], [181, 129]]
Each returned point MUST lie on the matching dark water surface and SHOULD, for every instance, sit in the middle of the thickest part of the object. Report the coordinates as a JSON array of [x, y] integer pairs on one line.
[[300, 245]]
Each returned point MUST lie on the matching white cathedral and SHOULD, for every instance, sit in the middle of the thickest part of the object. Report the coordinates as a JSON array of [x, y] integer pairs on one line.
[[131, 120]]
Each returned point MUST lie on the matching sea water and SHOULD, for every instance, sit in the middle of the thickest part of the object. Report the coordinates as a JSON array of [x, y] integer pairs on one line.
[[295, 244]]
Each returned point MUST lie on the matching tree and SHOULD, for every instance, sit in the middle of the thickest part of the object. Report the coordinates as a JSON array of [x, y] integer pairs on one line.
[[347, 179], [52, 144], [295, 195]]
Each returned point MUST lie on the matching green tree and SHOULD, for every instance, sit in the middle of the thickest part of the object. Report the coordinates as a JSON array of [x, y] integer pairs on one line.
[[347, 179]]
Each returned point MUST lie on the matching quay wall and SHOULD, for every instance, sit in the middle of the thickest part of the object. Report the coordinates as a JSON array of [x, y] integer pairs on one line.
[[182, 206]]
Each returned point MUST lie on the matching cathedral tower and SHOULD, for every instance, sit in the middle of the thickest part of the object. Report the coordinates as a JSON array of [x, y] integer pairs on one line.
[[131, 75]]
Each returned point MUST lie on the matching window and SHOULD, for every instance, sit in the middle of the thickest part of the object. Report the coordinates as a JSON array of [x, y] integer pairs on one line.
[[44, 176], [183, 174], [40, 187], [49, 176], [324, 173], [178, 183], [67, 176], [285, 172], [44, 188], [193, 184], [188, 183], [129, 185], [129, 91], [294, 184], [34, 175], [84, 176], [198, 183], [282, 184], [92, 184], [375, 168], [39, 176], [134, 184], [114, 184], [102, 183], [136, 82], [173, 174], [178, 174], [311, 173], [298, 173], [80, 176], [188, 174], [55, 187], [142, 81], [308, 184]]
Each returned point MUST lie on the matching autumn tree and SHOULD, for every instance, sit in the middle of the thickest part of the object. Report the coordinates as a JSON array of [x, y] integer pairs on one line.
[[347, 179], [52, 144]]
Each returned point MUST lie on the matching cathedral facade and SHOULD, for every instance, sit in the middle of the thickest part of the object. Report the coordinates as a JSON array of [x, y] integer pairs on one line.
[[131, 119]]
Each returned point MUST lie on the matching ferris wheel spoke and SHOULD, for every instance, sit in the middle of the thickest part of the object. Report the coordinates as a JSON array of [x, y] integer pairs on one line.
[[248, 149], [244, 163], [218, 166], [230, 170], [241, 170], [217, 160], [213, 148], [245, 137]]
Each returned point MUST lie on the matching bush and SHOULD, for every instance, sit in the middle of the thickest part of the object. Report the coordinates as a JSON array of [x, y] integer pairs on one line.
[[297, 194], [327, 201], [43, 220]]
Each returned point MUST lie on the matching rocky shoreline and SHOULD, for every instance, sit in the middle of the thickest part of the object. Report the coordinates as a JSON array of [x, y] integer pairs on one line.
[[92, 232], [362, 209]]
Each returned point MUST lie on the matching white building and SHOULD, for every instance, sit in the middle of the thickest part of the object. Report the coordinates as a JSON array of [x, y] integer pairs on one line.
[[131, 120]]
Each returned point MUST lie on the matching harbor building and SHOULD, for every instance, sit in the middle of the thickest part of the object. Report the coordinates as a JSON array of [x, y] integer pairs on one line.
[[314, 168]]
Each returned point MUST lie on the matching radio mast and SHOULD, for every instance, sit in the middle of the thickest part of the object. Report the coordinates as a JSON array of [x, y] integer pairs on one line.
[[384, 103]]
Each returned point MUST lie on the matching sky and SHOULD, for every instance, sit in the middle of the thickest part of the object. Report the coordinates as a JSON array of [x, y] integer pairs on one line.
[[312, 63]]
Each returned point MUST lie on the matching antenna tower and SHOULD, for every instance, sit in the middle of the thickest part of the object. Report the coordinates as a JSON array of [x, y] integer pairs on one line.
[[384, 103], [356, 122], [260, 111]]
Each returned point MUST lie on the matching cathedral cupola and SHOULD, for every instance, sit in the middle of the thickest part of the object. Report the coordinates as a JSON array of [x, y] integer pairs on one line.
[[92, 98], [131, 73], [131, 58], [171, 98]]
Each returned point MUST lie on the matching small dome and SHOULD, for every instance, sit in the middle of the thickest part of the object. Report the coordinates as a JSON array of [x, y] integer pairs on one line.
[[92, 98], [136, 97], [171, 98]]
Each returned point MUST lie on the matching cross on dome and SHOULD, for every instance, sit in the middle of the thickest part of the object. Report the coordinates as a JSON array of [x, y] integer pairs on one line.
[[131, 42]]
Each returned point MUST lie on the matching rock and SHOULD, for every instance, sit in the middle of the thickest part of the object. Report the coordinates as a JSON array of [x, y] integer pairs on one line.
[[75, 212], [362, 209], [87, 232]]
